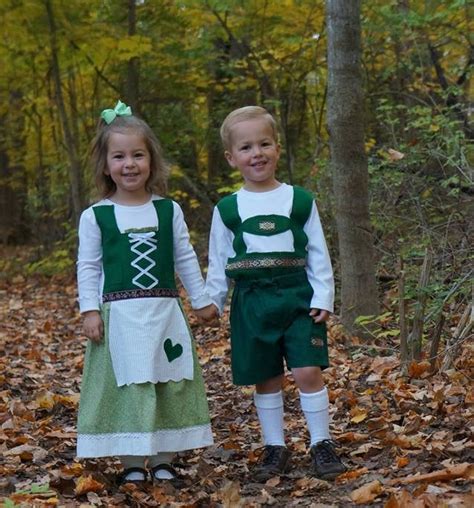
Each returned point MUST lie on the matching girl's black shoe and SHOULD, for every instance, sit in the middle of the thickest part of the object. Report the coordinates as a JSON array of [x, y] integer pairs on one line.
[[123, 477], [177, 481]]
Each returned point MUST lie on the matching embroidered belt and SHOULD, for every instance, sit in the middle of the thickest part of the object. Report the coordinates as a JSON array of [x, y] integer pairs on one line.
[[266, 263], [140, 293]]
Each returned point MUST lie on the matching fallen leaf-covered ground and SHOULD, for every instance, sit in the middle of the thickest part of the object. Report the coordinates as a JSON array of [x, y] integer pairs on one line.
[[407, 440]]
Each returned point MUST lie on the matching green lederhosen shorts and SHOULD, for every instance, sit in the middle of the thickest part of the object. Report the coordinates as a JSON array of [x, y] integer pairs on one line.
[[270, 321]]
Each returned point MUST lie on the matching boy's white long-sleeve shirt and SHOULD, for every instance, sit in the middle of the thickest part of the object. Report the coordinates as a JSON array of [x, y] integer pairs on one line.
[[279, 202], [89, 263]]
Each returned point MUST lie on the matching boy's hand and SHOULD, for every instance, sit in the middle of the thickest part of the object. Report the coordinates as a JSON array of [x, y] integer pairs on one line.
[[319, 315], [93, 325], [208, 315]]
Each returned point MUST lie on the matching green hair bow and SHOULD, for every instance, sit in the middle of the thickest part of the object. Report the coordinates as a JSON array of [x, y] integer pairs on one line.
[[121, 109]]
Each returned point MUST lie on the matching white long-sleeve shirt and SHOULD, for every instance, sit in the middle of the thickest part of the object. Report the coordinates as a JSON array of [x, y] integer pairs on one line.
[[279, 202], [89, 264]]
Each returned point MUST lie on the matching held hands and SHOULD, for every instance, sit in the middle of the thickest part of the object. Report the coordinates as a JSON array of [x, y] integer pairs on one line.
[[319, 315], [208, 315], [93, 325]]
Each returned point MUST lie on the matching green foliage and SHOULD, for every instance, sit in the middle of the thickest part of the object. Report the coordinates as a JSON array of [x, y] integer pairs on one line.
[[235, 183], [198, 60], [381, 326], [59, 261], [418, 148], [35, 489], [60, 258]]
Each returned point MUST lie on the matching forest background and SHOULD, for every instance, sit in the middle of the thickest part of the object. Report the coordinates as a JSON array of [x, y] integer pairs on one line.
[[183, 65]]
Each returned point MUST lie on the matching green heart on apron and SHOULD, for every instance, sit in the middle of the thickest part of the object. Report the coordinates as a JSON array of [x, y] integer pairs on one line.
[[172, 352]]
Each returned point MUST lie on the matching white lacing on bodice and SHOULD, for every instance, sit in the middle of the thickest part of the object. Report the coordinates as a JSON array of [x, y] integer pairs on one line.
[[143, 244]]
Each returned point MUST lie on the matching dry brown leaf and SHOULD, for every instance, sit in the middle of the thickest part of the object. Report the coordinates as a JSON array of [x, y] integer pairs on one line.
[[416, 370], [45, 400], [402, 462], [351, 437], [231, 445], [86, 484], [230, 495], [159, 495], [306, 484], [367, 492], [273, 482], [377, 423], [469, 396], [359, 416], [395, 155], [27, 452], [404, 499], [351, 475], [75, 469], [15, 304], [37, 499], [67, 400], [384, 364], [61, 435], [264, 499], [17, 408]]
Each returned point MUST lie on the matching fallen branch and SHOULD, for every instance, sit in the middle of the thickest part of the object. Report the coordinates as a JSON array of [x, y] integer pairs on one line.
[[464, 470]]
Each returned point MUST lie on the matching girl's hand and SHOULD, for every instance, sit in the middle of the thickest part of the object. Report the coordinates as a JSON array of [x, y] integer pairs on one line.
[[208, 315], [319, 315], [93, 325]]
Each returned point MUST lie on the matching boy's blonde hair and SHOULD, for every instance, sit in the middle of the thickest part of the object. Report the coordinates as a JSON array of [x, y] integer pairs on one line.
[[241, 115], [159, 169]]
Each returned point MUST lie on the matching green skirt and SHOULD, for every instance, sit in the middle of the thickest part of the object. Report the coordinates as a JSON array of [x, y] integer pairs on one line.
[[138, 419]]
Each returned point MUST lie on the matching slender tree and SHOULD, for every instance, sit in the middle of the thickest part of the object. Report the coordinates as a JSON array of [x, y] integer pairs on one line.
[[70, 141], [133, 78], [349, 162]]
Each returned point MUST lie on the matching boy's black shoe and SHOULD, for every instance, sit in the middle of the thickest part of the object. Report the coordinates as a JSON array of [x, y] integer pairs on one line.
[[326, 463], [274, 461]]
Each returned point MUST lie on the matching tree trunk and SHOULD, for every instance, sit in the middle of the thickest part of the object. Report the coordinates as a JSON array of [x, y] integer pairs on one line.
[[219, 103], [132, 92], [14, 225], [349, 163], [402, 48], [75, 177]]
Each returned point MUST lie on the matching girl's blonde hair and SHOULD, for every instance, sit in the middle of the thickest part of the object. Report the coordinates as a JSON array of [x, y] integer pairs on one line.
[[241, 115], [159, 169]]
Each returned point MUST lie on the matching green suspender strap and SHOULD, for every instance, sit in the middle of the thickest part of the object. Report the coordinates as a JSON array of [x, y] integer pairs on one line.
[[302, 206], [230, 217], [133, 264]]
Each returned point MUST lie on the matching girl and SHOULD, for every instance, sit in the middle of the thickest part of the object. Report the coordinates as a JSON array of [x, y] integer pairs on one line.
[[142, 394]]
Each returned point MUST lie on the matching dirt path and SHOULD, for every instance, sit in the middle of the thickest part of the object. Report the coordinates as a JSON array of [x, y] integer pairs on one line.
[[389, 428]]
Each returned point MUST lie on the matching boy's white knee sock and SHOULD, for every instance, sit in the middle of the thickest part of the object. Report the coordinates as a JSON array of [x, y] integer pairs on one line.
[[270, 413], [315, 407]]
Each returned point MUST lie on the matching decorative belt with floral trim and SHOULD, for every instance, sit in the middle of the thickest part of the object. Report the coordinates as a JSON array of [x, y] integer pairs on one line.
[[266, 263], [140, 293]]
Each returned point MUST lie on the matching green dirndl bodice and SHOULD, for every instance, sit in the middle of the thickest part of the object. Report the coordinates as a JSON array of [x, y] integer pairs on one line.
[[128, 417]]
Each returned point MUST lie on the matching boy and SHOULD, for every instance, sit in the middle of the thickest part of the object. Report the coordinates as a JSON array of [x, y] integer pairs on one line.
[[268, 238]]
